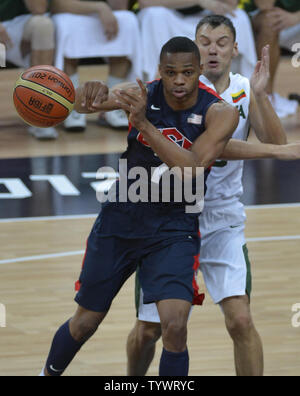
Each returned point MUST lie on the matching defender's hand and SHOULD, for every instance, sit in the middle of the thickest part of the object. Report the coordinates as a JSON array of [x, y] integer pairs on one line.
[[288, 152], [90, 96], [261, 75]]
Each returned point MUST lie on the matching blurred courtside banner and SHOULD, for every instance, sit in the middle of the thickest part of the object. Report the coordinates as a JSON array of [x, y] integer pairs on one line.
[[2, 55], [68, 185], [2, 315]]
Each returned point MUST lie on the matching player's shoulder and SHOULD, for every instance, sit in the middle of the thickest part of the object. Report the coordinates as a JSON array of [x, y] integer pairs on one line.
[[237, 80], [210, 92], [222, 110]]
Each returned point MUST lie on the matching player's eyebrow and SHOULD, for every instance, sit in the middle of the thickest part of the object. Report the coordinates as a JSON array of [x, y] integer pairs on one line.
[[185, 66], [203, 35]]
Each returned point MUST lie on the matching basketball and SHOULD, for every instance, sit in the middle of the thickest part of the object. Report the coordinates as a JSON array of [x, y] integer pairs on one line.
[[44, 96]]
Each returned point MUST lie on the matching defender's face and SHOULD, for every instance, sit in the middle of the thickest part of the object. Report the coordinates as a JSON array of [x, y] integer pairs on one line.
[[180, 75], [217, 49]]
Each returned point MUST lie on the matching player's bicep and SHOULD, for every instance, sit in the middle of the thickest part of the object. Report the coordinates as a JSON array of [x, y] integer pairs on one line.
[[221, 122]]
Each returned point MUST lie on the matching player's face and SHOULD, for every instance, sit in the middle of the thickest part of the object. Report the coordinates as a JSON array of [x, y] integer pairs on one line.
[[217, 49], [180, 75]]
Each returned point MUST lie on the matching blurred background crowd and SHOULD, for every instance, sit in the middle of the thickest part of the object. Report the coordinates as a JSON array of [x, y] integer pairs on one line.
[[128, 35]]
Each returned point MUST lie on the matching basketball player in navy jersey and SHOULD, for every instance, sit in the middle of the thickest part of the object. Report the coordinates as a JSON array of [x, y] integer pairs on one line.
[[177, 122]]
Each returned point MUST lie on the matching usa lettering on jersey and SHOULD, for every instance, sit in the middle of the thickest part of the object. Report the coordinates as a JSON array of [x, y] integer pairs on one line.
[[171, 134]]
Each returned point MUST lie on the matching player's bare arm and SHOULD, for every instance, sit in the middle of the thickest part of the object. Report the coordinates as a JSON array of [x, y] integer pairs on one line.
[[37, 7], [241, 150], [4, 37], [221, 121], [76, 6], [263, 118], [103, 10], [169, 3], [119, 4], [216, 6], [264, 5]]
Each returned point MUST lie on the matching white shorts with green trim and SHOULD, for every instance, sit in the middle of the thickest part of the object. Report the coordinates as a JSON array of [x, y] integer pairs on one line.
[[225, 268]]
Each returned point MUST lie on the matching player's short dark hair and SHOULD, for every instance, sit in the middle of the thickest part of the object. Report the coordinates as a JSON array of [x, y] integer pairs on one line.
[[215, 21], [180, 44]]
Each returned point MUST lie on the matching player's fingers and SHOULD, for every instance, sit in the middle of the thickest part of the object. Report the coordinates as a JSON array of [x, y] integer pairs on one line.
[[267, 57], [143, 88], [81, 96], [123, 100], [85, 94], [130, 96], [124, 106], [100, 94], [257, 67], [277, 26], [112, 29]]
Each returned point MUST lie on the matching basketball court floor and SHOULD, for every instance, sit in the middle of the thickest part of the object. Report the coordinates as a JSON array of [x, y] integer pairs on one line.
[[47, 207]]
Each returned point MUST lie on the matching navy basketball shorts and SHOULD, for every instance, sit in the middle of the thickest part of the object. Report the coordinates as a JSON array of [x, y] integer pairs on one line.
[[166, 268]]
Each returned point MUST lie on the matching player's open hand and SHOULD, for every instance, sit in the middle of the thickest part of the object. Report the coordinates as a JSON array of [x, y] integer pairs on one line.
[[134, 103], [219, 7], [279, 19], [261, 75], [288, 152], [109, 21], [90, 96]]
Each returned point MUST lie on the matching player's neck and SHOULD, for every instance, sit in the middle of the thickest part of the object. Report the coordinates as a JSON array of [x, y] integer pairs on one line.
[[221, 83]]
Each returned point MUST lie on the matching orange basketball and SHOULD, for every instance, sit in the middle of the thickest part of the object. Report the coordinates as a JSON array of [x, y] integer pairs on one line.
[[44, 96]]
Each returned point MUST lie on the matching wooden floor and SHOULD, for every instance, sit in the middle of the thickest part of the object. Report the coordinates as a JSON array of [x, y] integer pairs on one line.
[[36, 278]]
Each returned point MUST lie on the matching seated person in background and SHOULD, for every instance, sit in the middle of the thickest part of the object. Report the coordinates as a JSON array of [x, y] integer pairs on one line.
[[28, 36], [277, 23], [89, 29], [160, 20]]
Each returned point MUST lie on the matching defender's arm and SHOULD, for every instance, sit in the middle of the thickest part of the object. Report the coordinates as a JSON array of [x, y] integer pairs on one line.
[[240, 150]]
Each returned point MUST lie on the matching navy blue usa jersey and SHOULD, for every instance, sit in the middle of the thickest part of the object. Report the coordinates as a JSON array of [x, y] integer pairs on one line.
[[144, 218], [181, 127]]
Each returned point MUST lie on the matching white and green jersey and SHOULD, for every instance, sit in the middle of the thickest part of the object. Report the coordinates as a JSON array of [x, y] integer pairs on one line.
[[224, 184]]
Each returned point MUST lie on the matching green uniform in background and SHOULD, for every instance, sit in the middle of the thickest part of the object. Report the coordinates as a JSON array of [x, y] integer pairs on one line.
[[9, 9], [288, 5], [133, 5]]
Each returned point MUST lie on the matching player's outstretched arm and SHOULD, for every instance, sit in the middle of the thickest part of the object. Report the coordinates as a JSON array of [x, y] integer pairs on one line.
[[94, 96], [240, 150], [37, 7]]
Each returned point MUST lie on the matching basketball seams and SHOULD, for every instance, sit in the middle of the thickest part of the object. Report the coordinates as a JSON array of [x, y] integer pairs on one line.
[[69, 83], [44, 96], [33, 111], [43, 86], [59, 98]]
